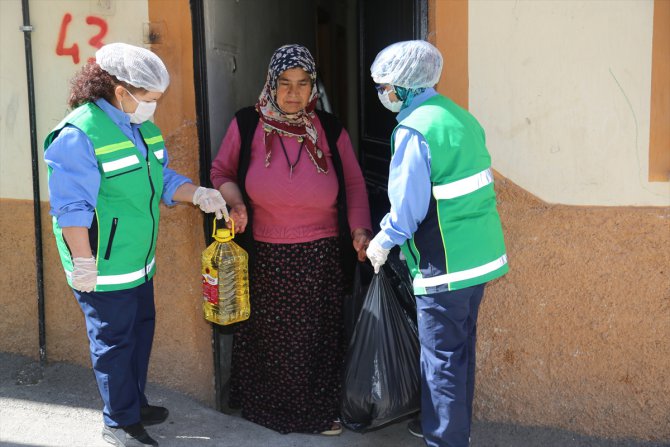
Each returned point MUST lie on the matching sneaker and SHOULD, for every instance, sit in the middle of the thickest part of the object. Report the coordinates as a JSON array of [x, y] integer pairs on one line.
[[152, 415], [129, 436], [414, 428]]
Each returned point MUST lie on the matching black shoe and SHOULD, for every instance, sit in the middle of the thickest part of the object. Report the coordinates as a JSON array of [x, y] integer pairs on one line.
[[414, 428], [129, 436], [152, 415]]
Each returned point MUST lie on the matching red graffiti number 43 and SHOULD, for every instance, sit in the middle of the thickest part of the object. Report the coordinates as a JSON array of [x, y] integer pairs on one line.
[[73, 50]]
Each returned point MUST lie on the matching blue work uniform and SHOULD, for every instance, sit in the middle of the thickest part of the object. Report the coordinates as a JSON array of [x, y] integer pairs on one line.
[[120, 323], [443, 216]]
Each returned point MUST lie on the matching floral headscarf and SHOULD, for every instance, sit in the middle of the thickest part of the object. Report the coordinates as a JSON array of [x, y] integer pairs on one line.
[[275, 120]]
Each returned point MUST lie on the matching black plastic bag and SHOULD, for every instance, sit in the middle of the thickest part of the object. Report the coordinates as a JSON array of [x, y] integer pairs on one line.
[[353, 303], [382, 377], [398, 274]]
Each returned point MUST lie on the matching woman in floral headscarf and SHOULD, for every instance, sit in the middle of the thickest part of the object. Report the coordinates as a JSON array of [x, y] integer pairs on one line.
[[297, 194]]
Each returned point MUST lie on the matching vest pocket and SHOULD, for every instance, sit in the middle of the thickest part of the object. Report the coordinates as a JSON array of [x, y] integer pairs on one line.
[[124, 172], [108, 252]]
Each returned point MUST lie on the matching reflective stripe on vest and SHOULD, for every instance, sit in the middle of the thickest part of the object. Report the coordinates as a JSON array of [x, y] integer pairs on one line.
[[159, 153], [463, 186], [123, 278], [460, 276], [121, 163], [157, 140]]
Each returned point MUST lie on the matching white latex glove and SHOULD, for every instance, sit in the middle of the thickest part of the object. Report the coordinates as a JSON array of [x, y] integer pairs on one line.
[[211, 201], [376, 254], [84, 274]]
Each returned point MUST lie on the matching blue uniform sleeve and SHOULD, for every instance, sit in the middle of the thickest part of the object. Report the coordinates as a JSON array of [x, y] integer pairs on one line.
[[75, 180], [171, 181], [409, 188]]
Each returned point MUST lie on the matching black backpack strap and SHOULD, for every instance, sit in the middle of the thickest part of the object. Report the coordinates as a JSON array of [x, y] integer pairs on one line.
[[333, 128], [247, 121]]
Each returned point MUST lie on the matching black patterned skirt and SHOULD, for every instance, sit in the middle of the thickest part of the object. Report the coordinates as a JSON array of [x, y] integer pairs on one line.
[[288, 357]]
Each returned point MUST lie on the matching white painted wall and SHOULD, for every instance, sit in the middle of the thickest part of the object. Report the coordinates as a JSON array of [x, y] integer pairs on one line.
[[14, 129], [563, 91], [125, 20], [562, 88]]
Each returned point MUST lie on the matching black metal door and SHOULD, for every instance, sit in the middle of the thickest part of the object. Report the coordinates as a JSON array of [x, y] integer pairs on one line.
[[381, 23]]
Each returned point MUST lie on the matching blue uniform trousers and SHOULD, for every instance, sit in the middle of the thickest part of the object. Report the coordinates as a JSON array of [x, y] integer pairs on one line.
[[447, 324], [120, 328]]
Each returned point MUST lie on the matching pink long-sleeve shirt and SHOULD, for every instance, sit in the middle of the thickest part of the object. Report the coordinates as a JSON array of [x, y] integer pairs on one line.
[[297, 208]]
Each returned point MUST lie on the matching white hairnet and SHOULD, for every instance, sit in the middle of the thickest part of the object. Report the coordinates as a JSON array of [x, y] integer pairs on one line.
[[137, 66], [409, 64]]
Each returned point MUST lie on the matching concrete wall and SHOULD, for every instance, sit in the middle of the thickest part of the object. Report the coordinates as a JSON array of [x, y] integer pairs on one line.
[[563, 90], [182, 355], [61, 43], [577, 335]]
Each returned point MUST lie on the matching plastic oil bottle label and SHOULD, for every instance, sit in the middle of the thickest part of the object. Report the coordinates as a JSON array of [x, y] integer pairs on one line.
[[210, 283]]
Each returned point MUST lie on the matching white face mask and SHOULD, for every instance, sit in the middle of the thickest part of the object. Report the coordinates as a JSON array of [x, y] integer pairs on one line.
[[145, 110], [393, 106]]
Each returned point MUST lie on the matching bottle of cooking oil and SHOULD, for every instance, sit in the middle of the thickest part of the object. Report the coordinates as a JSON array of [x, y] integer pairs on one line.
[[225, 279]]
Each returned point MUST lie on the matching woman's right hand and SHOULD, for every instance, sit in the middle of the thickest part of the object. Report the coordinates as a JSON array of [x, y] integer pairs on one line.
[[239, 214]]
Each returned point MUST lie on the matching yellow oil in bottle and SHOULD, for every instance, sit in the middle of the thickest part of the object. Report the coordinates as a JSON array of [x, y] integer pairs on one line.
[[225, 279]]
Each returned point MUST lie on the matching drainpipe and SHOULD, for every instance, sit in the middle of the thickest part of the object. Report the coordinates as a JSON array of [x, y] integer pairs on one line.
[[27, 30]]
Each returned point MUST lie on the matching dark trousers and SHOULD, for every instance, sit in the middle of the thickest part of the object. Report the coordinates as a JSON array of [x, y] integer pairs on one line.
[[120, 328], [448, 334]]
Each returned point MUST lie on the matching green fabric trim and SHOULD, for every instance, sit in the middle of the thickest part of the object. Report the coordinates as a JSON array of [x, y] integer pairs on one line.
[[113, 148], [154, 140]]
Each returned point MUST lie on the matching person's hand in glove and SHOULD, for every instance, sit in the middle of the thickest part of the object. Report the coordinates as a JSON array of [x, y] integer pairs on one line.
[[210, 201], [376, 254], [84, 274]]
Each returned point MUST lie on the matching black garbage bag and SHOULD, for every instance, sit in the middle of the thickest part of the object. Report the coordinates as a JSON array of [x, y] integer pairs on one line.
[[382, 377], [398, 273], [353, 303]]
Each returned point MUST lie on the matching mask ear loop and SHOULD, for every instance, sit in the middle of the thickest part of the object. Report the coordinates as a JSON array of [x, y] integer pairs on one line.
[[131, 95], [120, 101]]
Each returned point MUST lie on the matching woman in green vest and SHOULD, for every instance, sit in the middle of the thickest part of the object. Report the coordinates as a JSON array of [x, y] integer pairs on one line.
[[443, 216], [108, 170]]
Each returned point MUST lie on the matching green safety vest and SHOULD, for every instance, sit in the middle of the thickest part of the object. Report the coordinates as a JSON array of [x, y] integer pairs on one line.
[[124, 232], [460, 242]]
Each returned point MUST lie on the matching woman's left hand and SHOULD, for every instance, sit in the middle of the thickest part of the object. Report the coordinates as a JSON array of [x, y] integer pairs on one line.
[[361, 238]]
